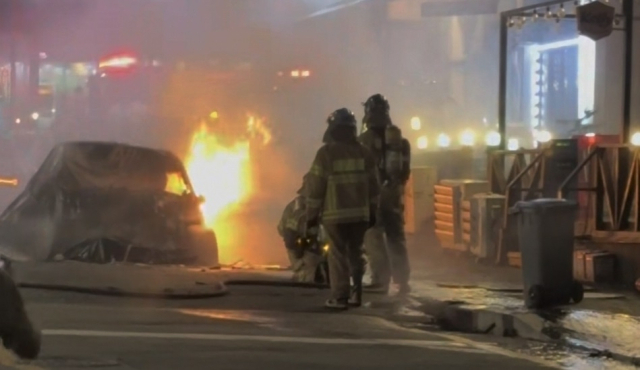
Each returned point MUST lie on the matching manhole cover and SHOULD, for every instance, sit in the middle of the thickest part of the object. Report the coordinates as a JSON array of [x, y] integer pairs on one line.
[[66, 363]]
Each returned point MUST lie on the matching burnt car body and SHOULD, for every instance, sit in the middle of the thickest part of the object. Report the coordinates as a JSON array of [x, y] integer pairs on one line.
[[104, 202]]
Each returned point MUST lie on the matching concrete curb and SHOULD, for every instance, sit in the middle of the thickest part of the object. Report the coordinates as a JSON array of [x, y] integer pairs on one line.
[[456, 316], [199, 293], [217, 291], [142, 281]]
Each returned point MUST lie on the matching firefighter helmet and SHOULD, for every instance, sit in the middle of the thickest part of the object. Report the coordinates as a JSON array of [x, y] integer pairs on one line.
[[376, 104], [342, 116]]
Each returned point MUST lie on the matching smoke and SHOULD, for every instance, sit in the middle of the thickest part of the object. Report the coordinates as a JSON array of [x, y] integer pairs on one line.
[[351, 52]]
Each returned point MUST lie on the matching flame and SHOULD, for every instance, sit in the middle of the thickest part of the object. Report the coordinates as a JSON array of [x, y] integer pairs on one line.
[[221, 170], [257, 128]]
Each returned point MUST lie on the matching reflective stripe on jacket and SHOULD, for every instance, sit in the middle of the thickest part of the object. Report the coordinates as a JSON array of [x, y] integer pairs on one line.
[[343, 184]]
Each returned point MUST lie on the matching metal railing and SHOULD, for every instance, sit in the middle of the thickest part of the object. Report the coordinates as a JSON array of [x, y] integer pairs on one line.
[[504, 165], [613, 188], [524, 181]]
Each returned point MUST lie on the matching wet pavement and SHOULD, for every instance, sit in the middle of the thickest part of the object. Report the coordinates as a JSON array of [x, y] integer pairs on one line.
[[253, 327], [603, 324], [257, 326], [262, 313], [560, 354]]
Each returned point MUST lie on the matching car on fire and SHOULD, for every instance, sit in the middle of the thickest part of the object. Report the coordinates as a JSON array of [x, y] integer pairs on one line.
[[105, 202]]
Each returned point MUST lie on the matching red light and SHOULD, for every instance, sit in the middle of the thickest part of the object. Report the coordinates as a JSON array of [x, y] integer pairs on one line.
[[123, 61], [119, 63]]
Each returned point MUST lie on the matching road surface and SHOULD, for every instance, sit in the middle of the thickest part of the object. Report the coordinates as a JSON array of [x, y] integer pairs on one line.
[[252, 328]]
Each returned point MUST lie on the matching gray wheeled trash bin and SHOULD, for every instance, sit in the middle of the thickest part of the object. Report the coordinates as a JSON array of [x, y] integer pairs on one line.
[[545, 235]]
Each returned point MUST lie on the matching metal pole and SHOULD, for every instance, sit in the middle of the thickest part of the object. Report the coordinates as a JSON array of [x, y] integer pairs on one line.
[[628, 68], [502, 89], [13, 76]]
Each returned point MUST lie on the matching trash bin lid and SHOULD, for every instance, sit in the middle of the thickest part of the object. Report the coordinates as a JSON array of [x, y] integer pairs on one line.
[[545, 203]]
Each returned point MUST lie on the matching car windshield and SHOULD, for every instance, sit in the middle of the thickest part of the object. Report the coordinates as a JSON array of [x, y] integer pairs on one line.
[[176, 184]]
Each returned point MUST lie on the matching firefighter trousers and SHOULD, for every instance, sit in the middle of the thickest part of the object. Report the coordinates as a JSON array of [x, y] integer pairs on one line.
[[385, 243], [345, 258]]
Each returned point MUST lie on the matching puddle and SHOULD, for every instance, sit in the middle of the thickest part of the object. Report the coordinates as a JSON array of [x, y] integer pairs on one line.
[[617, 333]]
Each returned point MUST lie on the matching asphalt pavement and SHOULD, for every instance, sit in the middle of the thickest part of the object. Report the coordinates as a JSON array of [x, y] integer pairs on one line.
[[253, 327]]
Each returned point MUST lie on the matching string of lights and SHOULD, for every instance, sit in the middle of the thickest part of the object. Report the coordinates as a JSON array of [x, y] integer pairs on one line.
[[557, 12]]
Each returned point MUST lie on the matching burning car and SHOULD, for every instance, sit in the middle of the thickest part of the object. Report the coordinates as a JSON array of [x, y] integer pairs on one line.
[[109, 202]]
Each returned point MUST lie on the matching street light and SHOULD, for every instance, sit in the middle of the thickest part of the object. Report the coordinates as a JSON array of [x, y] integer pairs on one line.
[[543, 136], [444, 141], [467, 138], [423, 142], [415, 123], [513, 144], [492, 138]]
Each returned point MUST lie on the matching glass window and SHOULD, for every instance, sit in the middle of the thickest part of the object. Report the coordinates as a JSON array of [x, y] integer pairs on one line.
[[176, 184]]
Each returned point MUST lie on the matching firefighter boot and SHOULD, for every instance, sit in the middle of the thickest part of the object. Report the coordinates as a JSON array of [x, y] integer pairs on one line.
[[336, 304], [356, 292]]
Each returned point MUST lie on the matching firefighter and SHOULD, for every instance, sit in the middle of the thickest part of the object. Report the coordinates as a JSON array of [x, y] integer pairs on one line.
[[16, 330], [387, 258], [342, 193], [304, 259]]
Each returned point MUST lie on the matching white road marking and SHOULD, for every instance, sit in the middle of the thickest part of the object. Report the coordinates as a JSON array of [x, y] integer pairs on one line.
[[443, 345]]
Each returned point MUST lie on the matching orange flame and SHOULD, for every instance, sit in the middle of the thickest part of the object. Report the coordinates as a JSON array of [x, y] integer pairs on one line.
[[221, 171]]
